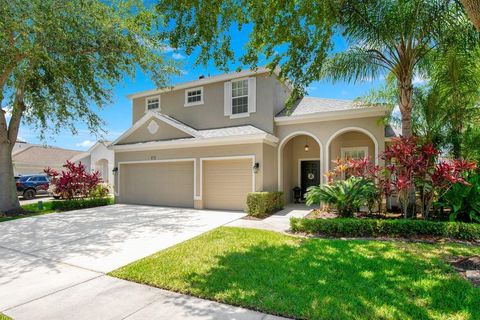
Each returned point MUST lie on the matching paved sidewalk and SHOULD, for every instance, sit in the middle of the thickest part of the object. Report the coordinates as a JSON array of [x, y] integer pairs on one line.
[[104, 297], [279, 221]]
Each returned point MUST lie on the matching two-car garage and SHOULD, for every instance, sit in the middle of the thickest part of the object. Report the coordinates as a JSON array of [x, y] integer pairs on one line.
[[224, 182]]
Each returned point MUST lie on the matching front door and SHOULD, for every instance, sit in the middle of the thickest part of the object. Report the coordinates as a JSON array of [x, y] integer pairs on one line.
[[310, 174]]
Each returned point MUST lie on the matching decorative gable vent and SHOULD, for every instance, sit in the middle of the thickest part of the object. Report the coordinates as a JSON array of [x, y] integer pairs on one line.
[[152, 127]]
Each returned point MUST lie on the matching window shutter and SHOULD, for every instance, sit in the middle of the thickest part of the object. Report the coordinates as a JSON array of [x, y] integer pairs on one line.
[[252, 95], [227, 104]]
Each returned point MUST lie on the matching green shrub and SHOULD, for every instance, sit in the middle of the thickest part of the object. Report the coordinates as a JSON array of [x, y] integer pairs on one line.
[[74, 204], [351, 227], [463, 200], [101, 190], [262, 204], [347, 196]]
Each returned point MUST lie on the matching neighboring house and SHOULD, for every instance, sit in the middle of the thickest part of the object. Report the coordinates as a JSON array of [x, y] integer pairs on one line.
[[207, 143], [20, 145], [98, 158], [32, 159]]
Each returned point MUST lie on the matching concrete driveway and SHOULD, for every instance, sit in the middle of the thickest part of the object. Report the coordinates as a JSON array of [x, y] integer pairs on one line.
[[53, 266]]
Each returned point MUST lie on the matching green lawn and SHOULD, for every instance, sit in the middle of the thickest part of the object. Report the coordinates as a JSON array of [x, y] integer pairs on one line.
[[4, 317], [314, 278], [31, 210]]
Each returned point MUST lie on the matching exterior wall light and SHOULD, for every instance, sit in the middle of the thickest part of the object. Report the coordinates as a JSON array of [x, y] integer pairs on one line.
[[256, 167], [115, 170]]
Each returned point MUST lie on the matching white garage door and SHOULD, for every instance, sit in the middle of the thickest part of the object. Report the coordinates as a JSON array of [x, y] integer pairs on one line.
[[226, 183], [163, 184]]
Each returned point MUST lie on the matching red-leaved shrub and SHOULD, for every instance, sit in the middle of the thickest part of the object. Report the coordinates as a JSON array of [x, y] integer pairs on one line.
[[74, 181]]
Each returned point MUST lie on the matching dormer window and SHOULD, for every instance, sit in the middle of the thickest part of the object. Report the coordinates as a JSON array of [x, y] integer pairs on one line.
[[193, 97], [152, 103], [240, 97]]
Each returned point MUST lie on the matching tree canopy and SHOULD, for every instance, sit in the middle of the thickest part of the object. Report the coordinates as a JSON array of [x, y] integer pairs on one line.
[[58, 58]]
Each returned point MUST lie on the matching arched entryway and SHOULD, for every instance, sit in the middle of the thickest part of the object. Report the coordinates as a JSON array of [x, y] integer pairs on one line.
[[348, 143], [102, 167], [300, 163]]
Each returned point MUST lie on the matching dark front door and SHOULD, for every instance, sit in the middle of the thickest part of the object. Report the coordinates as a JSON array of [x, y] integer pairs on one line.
[[310, 174]]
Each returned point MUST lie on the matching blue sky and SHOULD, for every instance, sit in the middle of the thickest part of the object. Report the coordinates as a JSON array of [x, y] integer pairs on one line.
[[117, 115]]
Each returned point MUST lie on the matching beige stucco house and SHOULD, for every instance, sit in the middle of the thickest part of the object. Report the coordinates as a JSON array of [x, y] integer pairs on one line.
[[207, 143]]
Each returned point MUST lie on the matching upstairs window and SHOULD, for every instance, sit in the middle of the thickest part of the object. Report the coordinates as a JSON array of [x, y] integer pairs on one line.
[[240, 96], [153, 103], [194, 97]]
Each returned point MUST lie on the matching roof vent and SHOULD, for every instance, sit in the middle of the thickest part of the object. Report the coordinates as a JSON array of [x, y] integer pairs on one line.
[[201, 76]]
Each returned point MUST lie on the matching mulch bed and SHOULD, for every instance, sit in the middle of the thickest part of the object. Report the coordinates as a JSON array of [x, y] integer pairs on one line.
[[469, 268]]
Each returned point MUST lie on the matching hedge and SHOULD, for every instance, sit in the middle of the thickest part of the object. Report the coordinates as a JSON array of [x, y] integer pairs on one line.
[[351, 227], [262, 204], [66, 205]]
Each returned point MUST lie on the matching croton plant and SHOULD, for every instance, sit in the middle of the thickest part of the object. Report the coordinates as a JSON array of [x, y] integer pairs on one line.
[[75, 181]]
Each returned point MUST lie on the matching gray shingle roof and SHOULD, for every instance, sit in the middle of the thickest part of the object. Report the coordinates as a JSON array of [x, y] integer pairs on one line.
[[229, 132], [310, 105], [44, 156]]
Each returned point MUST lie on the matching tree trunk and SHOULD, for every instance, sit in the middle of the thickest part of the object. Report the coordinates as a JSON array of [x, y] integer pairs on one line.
[[8, 196], [406, 105], [472, 8]]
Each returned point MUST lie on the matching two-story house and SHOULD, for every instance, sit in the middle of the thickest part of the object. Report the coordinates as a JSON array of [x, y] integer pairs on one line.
[[207, 143]]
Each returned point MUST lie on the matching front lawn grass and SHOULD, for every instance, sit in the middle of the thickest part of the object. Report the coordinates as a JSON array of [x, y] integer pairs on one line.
[[31, 210], [4, 317], [314, 278]]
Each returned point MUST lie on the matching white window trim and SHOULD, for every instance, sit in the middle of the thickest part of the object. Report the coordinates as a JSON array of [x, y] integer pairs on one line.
[[243, 114], [240, 115], [191, 104], [345, 149], [150, 98]]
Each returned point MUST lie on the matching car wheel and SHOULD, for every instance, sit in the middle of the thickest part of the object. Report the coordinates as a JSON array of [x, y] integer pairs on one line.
[[29, 194]]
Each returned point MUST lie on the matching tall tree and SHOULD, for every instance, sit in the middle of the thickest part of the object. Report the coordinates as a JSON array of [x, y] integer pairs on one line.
[[293, 34], [58, 58], [454, 74], [385, 36], [394, 37], [472, 7]]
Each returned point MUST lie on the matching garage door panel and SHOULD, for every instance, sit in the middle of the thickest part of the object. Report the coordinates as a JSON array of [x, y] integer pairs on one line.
[[166, 183], [227, 183]]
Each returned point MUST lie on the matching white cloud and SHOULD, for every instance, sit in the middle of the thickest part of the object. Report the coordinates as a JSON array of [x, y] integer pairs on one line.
[[85, 144], [178, 56], [166, 48]]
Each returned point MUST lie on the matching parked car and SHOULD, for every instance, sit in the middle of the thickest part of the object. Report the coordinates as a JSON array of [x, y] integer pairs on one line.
[[29, 186]]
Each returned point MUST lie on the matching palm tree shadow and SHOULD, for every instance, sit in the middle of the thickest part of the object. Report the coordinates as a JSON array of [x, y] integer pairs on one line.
[[334, 279]]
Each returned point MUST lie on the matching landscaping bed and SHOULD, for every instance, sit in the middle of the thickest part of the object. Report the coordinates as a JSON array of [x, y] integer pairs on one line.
[[311, 278], [47, 207]]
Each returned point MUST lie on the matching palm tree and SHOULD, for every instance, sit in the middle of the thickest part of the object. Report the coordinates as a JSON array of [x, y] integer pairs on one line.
[[393, 37], [455, 75], [472, 7]]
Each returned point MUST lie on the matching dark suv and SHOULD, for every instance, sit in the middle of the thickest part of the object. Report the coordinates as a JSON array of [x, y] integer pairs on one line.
[[30, 185]]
